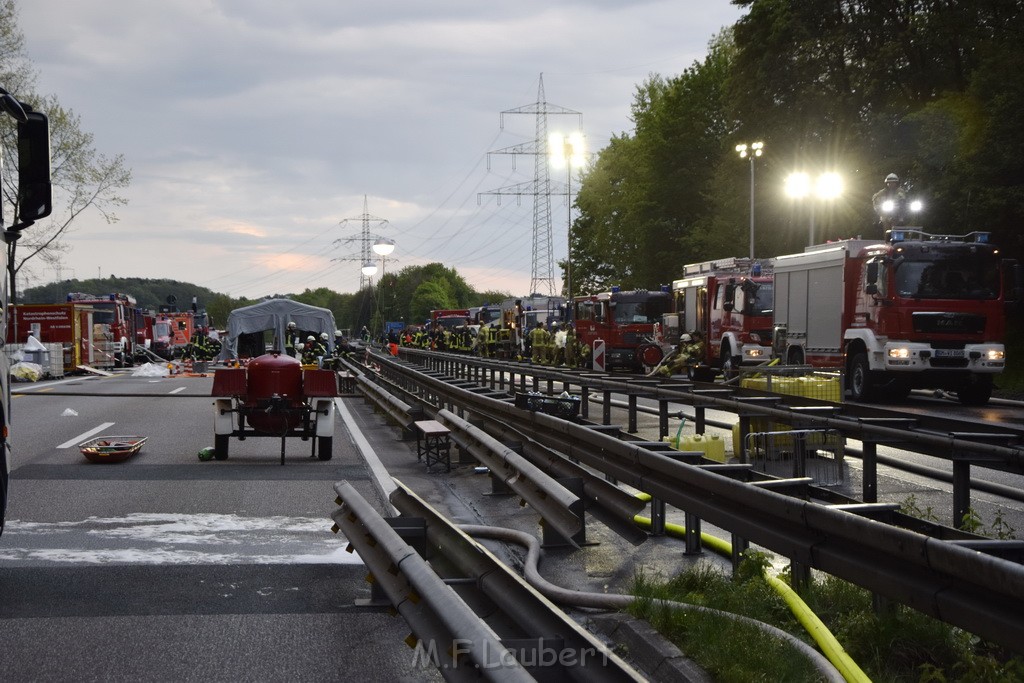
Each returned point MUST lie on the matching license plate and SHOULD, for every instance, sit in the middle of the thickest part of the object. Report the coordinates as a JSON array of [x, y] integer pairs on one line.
[[949, 353]]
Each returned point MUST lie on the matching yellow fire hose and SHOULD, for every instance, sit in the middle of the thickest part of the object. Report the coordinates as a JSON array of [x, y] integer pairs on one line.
[[826, 641]]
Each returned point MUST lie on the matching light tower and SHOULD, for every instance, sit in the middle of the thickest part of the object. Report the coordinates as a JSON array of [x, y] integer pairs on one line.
[[542, 270]]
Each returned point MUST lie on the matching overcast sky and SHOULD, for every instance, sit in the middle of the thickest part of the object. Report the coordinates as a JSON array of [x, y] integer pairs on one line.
[[255, 128]]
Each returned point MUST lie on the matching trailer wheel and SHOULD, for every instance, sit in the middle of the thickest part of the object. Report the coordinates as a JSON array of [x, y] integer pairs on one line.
[[220, 446], [324, 447], [861, 388]]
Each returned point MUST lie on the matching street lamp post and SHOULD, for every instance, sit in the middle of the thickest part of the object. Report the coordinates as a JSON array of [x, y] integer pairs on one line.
[[383, 247], [571, 152], [753, 151], [826, 187]]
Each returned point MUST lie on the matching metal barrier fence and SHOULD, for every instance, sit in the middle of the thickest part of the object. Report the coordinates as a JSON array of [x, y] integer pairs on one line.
[[814, 453]]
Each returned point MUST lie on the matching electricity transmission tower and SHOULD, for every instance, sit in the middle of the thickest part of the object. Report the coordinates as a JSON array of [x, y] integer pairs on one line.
[[366, 240], [542, 270]]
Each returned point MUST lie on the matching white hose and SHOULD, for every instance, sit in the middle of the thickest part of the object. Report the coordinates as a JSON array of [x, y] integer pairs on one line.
[[619, 602]]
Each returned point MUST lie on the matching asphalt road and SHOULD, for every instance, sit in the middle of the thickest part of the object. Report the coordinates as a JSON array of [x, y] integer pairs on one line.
[[165, 567]]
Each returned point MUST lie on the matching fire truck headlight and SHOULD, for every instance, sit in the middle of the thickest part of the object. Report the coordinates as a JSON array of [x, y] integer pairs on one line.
[[899, 353], [888, 205], [754, 353], [995, 354]]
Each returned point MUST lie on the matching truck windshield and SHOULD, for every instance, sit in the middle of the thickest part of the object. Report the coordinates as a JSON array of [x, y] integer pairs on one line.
[[761, 301], [959, 275], [640, 312], [104, 314]]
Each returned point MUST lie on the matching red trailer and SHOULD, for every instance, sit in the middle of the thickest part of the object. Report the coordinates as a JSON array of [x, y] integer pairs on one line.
[[273, 396]]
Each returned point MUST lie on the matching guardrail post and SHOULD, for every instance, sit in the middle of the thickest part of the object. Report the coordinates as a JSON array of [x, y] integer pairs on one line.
[[693, 546], [740, 545], [662, 418], [631, 425], [551, 537], [657, 517], [606, 408], [584, 401], [800, 576], [961, 491], [412, 530], [962, 471]]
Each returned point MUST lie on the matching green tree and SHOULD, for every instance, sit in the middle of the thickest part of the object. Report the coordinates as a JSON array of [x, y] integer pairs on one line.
[[83, 179]]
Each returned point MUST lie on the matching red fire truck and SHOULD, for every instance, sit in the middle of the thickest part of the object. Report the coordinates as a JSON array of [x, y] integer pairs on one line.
[[625, 321], [915, 310], [729, 302], [117, 311]]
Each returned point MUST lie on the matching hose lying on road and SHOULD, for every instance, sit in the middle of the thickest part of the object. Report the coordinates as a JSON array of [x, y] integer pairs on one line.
[[618, 602]]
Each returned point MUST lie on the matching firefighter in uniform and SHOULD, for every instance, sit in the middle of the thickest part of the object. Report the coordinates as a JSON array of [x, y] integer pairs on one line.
[[538, 343], [571, 352], [290, 340], [892, 192], [312, 351]]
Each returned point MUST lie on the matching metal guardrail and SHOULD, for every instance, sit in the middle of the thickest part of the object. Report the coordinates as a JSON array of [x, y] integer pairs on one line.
[[580, 655], [457, 641], [537, 640], [958, 444], [559, 508], [981, 593]]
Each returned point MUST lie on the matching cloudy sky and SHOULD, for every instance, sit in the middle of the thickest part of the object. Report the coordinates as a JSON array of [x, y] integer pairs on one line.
[[254, 129]]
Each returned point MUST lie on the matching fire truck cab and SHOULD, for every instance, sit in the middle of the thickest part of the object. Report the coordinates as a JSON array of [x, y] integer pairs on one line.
[[916, 310], [729, 302], [626, 322]]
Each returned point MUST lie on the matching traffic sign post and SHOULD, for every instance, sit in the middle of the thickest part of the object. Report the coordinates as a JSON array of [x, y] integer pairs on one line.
[[599, 355]]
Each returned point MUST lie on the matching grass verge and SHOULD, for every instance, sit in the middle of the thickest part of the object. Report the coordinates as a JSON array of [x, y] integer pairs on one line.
[[894, 644]]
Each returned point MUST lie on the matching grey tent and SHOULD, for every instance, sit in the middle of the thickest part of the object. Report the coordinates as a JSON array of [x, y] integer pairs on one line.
[[275, 314]]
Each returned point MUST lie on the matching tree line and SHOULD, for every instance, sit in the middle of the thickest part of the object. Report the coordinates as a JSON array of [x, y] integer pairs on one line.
[[929, 90], [407, 295]]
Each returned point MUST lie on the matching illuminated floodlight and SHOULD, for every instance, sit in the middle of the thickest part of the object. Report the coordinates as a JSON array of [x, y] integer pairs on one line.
[[384, 246], [829, 186], [798, 185], [369, 269]]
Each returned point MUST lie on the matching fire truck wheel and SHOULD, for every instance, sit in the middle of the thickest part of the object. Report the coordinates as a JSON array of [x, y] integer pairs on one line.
[[730, 363], [220, 446], [977, 393], [861, 388], [325, 447]]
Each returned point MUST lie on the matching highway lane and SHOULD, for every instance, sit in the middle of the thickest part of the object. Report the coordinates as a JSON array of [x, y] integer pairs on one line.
[[165, 567]]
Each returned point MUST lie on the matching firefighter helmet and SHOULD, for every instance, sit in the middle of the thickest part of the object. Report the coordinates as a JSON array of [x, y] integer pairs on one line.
[[311, 338], [291, 326], [685, 338], [892, 178], [324, 336]]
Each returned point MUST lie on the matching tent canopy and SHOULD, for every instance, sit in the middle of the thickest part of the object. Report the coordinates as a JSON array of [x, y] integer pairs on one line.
[[275, 314]]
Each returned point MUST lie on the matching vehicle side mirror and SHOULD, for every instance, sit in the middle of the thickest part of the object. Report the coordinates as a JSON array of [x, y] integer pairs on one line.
[[34, 190], [730, 297], [871, 288]]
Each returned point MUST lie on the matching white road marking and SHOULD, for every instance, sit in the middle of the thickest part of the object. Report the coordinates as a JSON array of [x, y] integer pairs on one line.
[[178, 389], [82, 437]]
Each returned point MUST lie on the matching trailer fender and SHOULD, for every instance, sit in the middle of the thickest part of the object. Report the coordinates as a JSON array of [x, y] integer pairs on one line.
[[223, 418], [324, 408]]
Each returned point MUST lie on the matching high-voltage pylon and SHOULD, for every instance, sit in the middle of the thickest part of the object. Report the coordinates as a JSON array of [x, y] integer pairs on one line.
[[542, 271], [366, 240]]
